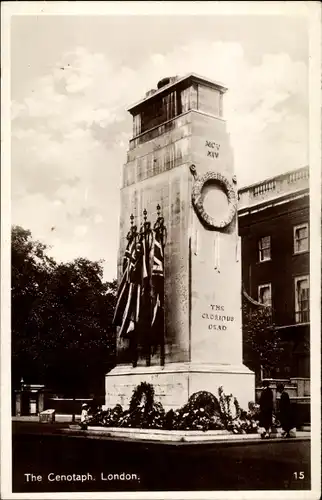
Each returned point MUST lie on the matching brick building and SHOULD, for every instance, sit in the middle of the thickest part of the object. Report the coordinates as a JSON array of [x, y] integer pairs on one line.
[[274, 229]]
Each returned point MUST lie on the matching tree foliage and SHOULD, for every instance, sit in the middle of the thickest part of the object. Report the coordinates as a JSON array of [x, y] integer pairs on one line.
[[262, 345], [62, 333]]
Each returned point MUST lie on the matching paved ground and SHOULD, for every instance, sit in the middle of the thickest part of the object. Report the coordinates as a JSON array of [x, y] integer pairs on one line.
[[35, 418], [42, 449]]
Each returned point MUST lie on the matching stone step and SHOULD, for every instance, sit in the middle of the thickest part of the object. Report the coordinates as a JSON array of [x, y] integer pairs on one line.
[[196, 437]]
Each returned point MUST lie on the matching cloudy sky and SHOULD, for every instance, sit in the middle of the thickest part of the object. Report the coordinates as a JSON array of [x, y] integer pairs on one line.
[[72, 79]]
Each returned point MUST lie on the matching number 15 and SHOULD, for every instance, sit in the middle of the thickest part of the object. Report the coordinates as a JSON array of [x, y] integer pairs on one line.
[[298, 475]]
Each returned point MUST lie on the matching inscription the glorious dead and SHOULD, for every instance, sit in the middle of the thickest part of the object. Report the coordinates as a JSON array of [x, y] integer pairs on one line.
[[215, 315]]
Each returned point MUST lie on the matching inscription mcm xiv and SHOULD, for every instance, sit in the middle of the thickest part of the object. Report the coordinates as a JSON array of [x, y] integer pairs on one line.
[[213, 152]]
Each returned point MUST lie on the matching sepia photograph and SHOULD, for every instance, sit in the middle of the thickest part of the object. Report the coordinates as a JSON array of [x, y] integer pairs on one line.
[[161, 250]]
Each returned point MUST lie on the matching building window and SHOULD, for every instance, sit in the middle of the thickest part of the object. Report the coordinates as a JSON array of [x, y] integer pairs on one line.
[[264, 248], [302, 299], [301, 238], [265, 294]]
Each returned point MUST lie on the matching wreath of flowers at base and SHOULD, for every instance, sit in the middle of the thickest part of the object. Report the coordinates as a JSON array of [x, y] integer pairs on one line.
[[203, 411], [206, 400], [142, 397], [144, 412], [200, 413]]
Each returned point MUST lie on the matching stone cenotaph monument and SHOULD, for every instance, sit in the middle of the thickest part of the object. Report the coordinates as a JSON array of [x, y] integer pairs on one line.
[[180, 170]]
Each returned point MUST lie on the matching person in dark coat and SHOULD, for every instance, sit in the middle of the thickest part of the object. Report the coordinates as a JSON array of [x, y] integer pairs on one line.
[[266, 409], [285, 411]]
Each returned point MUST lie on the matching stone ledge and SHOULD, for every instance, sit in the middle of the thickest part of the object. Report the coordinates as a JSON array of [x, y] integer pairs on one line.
[[165, 435], [160, 435], [160, 432], [180, 367]]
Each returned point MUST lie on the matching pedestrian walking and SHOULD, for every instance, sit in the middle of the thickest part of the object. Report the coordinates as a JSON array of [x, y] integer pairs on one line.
[[266, 409], [84, 416], [285, 413]]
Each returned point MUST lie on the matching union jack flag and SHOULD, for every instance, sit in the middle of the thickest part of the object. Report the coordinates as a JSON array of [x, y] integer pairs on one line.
[[145, 312], [133, 297], [124, 284], [139, 313], [158, 286]]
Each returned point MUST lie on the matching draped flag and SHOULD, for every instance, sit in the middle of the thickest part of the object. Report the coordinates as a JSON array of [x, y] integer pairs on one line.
[[140, 302], [158, 288], [123, 289], [144, 323], [133, 296]]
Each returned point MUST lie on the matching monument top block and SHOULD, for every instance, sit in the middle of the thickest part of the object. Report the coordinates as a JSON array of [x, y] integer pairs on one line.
[[169, 83]]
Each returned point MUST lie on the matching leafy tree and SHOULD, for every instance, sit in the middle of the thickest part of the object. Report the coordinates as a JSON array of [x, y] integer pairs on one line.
[[79, 313], [262, 344], [30, 271], [62, 333]]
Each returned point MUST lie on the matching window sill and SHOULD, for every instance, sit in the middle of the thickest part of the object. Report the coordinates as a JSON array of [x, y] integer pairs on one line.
[[301, 252]]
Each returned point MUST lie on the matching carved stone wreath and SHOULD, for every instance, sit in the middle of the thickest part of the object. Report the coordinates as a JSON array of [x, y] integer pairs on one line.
[[198, 199]]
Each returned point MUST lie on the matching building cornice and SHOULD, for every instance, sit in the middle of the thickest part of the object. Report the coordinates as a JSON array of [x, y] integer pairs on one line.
[[280, 200], [274, 191]]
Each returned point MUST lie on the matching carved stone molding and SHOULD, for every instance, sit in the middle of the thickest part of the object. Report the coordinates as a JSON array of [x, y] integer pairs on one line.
[[198, 197]]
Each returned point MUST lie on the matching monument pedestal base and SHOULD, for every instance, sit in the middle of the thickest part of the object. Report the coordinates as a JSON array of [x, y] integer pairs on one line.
[[174, 383]]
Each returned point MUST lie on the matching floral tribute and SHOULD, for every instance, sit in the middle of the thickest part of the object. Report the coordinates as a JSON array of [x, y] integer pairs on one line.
[[203, 411], [200, 413]]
